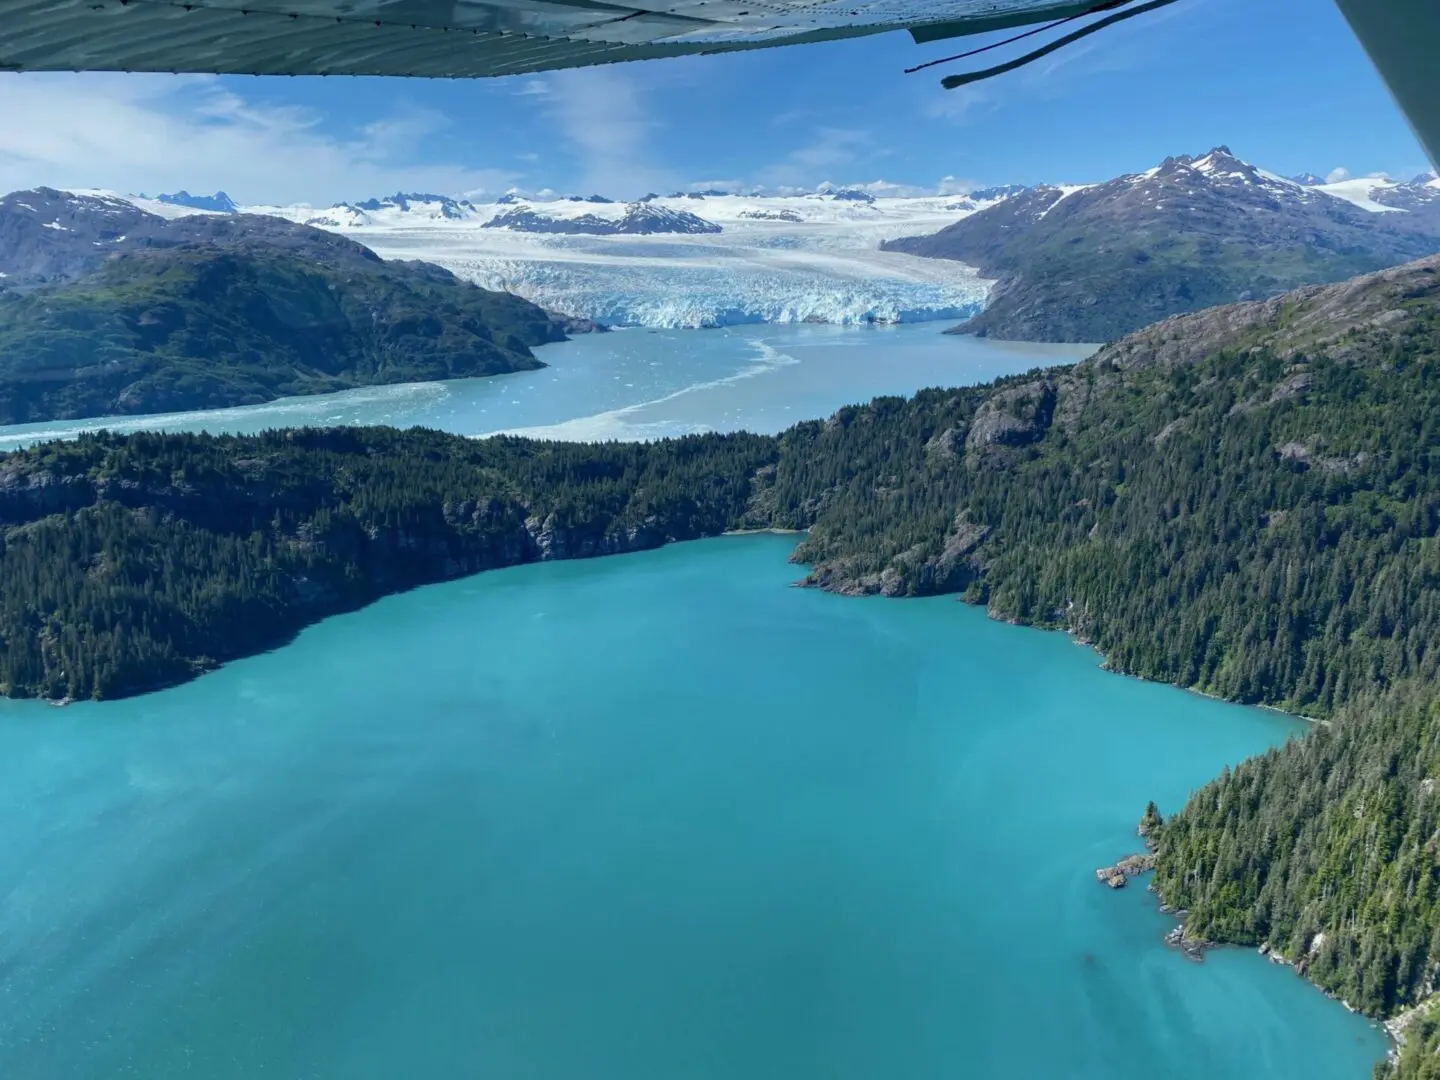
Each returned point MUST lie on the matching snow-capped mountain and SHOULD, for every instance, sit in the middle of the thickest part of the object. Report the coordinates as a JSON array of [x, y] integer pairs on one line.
[[424, 205], [637, 219], [1089, 263], [1419, 197], [220, 203]]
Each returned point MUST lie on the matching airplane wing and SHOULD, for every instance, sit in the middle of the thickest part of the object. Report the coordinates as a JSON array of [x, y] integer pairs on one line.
[[1403, 40], [456, 38], [475, 38]]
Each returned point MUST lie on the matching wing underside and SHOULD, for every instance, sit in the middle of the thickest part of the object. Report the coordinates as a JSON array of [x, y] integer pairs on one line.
[[453, 38]]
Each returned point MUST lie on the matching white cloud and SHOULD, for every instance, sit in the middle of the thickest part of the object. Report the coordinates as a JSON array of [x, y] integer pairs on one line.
[[1334, 176], [829, 148], [831, 152], [601, 112], [155, 133], [958, 105], [162, 132], [954, 185], [885, 189], [881, 189], [734, 187]]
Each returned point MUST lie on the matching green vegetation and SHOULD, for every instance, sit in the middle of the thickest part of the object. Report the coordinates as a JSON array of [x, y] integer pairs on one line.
[[130, 563], [1246, 502], [1419, 1058], [1325, 850], [1195, 527], [202, 326]]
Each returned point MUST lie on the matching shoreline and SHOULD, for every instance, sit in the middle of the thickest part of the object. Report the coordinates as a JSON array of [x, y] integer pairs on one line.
[[1118, 876], [1076, 639], [1192, 949]]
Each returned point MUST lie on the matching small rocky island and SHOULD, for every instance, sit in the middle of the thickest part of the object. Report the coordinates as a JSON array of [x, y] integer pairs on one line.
[[1148, 830], [1119, 875]]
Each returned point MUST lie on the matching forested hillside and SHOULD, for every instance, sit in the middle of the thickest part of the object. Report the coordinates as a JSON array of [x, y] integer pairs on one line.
[[130, 563]]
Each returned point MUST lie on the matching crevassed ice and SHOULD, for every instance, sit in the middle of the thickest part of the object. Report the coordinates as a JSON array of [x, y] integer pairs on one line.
[[684, 295]]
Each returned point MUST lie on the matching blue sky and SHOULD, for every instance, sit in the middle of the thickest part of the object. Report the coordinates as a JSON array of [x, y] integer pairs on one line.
[[1281, 82]]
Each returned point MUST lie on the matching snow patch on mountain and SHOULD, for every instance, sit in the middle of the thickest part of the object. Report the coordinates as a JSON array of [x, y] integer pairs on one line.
[[1361, 192], [169, 211], [1380, 194]]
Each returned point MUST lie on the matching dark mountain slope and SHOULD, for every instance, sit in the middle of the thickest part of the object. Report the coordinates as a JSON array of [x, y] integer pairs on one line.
[[109, 310], [48, 235], [1100, 262]]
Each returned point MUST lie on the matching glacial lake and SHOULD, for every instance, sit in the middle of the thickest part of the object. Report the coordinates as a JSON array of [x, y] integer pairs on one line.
[[653, 816], [639, 384]]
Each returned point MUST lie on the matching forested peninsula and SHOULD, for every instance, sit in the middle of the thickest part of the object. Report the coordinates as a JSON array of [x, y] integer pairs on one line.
[[1245, 500]]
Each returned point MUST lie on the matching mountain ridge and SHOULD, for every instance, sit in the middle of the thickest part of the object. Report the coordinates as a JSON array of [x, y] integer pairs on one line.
[[219, 202], [1092, 263], [640, 219]]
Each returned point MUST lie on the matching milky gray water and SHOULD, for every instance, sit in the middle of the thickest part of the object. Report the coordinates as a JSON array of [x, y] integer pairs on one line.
[[637, 384], [651, 816]]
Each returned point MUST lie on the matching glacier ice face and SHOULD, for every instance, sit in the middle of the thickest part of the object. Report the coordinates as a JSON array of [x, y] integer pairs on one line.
[[660, 293]]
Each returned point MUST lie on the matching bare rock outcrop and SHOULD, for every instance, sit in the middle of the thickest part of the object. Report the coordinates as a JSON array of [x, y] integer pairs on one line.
[[1010, 418]]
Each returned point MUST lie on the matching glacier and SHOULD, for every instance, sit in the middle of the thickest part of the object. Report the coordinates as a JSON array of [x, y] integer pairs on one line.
[[812, 258], [721, 287]]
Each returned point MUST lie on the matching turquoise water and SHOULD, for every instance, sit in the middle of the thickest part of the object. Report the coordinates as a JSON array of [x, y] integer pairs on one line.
[[652, 816], [639, 384]]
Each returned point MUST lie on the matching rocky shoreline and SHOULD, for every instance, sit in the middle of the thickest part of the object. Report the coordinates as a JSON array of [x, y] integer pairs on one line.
[[1118, 875], [1190, 948]]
